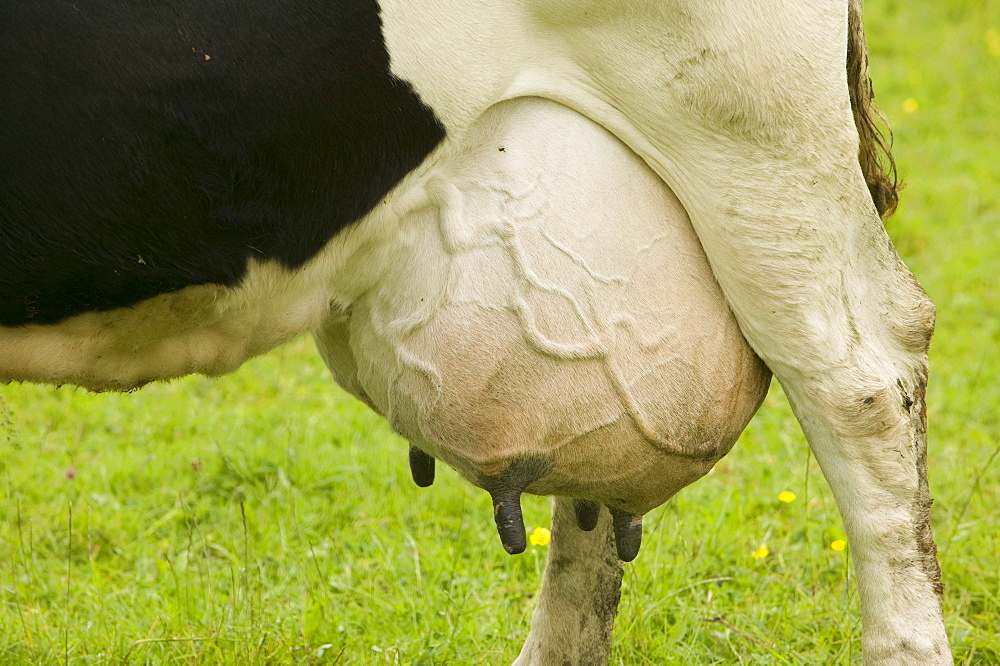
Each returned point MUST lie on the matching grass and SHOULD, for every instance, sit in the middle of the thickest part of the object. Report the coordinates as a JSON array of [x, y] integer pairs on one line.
[[267, 518]]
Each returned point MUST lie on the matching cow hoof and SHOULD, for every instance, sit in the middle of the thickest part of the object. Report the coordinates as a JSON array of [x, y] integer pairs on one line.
[[587, 513], [628, 534], [421, 467]]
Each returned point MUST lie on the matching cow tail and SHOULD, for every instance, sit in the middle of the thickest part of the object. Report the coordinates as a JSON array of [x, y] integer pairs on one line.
[[875, 148]]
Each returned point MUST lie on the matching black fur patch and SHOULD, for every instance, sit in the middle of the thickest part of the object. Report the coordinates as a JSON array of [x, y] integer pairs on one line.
[[146, 146]]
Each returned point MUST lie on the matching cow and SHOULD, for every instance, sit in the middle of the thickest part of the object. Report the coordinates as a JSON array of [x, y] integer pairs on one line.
[[185, 185]]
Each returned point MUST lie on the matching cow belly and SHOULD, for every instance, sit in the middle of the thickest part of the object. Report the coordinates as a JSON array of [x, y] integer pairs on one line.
[[548, 301], [210, 329]]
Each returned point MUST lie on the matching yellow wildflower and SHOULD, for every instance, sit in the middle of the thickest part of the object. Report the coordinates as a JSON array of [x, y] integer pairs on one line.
[[786, 496], [761, 553], [838, 545], [540, 536], [993, 42], [910, 105]]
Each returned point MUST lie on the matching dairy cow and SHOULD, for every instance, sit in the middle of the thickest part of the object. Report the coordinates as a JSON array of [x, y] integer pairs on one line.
[[185, 185]]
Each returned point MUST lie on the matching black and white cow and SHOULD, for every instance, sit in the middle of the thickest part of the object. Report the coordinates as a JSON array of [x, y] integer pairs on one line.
[[460, 201]]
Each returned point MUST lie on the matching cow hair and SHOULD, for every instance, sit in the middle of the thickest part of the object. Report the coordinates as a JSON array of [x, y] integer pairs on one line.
[[247, 130], [875, 145]]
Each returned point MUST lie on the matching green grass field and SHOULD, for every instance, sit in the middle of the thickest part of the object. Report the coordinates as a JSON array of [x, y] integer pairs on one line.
[[265, 517]]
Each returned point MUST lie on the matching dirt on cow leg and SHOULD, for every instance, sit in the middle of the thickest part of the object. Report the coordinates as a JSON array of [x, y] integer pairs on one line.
[[922, 504]]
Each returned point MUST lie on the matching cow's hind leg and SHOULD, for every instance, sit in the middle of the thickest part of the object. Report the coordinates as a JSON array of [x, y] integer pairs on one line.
[[861, 405], [824, 299], [755, 132], [579, 597]]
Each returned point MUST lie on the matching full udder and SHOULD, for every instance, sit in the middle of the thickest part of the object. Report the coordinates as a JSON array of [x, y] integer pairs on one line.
[[550, 324]]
